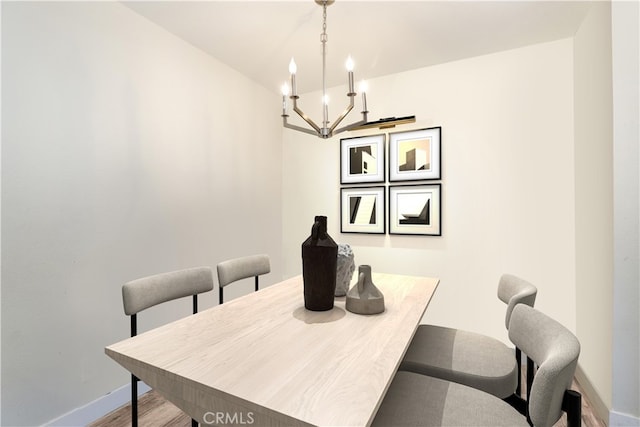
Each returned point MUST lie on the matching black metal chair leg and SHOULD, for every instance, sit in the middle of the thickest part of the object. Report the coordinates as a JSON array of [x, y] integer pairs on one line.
[[572, 405], [517, 403], [530, 375], [519, 363], [134, 380], [134, 401]]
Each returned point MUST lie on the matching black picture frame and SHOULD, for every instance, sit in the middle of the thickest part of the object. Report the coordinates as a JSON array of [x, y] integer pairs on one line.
[[362, 159], [415, 209], [362, 210], [415, 155]]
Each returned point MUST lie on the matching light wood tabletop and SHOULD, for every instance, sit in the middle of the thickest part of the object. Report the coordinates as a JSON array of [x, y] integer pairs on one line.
[[263, 359]]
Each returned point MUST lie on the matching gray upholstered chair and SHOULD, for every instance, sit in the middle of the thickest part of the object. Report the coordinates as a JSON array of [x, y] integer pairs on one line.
[[140, 294], [241, 268], [419, 400], [473, 359]]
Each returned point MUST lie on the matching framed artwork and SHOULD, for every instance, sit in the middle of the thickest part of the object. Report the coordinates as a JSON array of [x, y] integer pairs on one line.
[[414, 155], [415, 209], [362, 159], [362, 210]]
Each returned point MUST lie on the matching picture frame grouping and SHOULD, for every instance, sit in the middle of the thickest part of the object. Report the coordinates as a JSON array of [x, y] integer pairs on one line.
[[413, 208]]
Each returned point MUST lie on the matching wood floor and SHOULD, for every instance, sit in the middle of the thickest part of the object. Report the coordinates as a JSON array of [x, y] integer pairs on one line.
[[155, 411]]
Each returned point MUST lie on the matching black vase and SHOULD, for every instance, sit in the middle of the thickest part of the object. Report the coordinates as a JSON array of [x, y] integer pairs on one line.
[[319, 263]]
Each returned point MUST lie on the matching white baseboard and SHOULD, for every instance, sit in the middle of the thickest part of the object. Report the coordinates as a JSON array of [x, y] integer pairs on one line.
[[616, 419], [612, 418], [98, 408]]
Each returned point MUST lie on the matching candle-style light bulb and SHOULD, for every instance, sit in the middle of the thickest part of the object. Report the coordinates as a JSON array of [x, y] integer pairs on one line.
[[285, 93], [350, 75], [363, 88], [325, 110], [292, 70], [349, 63]]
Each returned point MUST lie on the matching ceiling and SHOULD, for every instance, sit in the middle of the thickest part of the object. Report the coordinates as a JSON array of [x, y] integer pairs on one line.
[[258, 38]]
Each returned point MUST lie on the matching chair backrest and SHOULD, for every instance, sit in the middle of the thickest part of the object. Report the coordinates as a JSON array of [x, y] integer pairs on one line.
[[241, 268], [512, 291], [555, 350], [146, 292]]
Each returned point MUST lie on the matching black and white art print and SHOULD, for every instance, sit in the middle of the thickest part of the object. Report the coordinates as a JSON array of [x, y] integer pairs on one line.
[[362, 159], [414, 155], [415, 209], [362, 210]]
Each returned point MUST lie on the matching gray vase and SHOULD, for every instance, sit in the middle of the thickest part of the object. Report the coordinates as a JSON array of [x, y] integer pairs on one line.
[[364, 297], [346, 267]]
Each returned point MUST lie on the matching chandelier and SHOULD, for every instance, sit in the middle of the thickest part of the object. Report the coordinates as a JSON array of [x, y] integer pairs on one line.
[[327, 130]]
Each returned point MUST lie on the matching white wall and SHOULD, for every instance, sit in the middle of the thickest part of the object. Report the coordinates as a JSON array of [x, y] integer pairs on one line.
[[125, 152], [508, 183], [594, 196], [626, 192]]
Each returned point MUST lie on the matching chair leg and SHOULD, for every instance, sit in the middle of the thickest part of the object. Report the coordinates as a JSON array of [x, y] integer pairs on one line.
[[134, 401], [516, 400], [257, 284], [517, 403], [530, 375], [519, 363], [134, 379], [572, 405], [220, 296]]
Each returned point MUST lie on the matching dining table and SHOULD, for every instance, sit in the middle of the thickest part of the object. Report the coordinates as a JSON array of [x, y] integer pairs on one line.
[[263, 359]]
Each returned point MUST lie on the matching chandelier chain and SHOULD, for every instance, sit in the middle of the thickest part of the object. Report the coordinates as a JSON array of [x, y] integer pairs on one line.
[[323, 39], [324, 22]]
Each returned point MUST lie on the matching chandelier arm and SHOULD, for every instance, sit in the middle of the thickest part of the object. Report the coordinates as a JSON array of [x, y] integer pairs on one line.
[[346, 111], [305, 117], [298, 128], [353, 125]]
